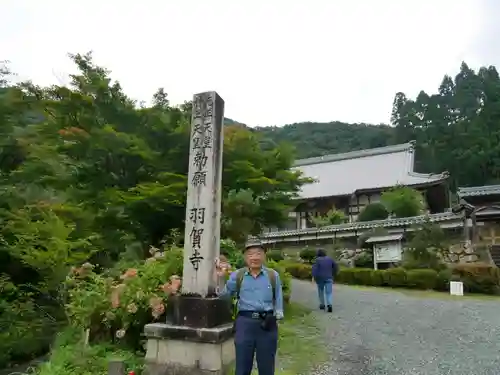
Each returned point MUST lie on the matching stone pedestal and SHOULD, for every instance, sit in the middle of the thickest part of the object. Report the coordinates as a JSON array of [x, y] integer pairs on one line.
[[197, 338], [197, 312], [180, 350]]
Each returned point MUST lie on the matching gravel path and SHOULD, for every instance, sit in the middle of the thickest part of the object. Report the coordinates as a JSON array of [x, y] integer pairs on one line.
[[389, 333]]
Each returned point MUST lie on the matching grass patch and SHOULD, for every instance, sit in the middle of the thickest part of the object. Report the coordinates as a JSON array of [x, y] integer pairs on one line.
[[424, 293], [300, 343]]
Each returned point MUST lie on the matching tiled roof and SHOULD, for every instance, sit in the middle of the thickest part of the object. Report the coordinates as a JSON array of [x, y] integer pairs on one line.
[[377, 168], [388, 238], [475, 191], [388, 223]]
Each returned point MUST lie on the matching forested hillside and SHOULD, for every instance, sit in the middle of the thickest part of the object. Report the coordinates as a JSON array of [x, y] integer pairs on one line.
[[457, 129], [315, 139]]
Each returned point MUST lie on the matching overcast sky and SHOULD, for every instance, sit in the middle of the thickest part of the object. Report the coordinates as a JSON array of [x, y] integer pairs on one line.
[[273, 61]]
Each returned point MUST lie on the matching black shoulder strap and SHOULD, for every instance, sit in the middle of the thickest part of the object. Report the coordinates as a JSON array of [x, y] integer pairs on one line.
[[272, 279], [239, 279]]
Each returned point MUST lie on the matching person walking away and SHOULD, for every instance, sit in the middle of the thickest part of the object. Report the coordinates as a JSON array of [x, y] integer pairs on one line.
[[259, 294], [324, 270]]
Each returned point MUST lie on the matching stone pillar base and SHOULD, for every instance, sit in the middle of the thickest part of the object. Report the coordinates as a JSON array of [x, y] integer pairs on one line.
[[181, 350]]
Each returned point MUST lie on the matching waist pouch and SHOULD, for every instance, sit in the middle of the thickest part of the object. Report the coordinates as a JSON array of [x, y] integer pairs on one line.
[[268, 322]]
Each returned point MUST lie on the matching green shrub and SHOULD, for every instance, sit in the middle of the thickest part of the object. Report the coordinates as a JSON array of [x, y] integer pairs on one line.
[[332, 217], [359, 276], [299, 270], [354, 276], [26, 328], [275, 255], [362, 276], [285, 277], [70, 356], [374, 211], [421, 279], [377, 277], [428, 243], [364, 260], [443, 280], [344, 276], [395, 277], [308, 255], [234, 255], [478, 277], [121, 306]]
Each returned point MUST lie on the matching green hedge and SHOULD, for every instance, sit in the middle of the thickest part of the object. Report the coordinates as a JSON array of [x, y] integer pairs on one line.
[[308, 255], [477, 277], [285, 277], [275, 255]]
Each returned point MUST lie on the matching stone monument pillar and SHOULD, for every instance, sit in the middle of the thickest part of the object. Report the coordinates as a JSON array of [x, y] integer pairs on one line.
[[197, 337]]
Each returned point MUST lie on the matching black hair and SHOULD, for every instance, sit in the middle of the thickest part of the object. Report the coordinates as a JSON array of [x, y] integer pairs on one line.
[[321, 253]]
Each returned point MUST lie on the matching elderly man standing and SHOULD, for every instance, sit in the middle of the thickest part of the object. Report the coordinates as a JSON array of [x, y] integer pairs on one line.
[[259, 305]]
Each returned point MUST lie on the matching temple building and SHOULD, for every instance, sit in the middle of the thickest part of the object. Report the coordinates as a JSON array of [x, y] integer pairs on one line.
[[351, 181]]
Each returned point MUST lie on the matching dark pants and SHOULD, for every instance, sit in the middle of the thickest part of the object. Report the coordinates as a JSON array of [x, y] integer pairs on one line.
[[251, 339]]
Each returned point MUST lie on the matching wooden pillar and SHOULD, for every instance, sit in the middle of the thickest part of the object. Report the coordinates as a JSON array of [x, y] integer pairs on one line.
[[474, 234], [466, 228]]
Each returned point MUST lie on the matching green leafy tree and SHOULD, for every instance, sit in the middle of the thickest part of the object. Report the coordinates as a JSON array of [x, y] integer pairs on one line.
[[240, 216], [258, 185], [454, 128], [44, 241], [427, 246], [402, 201], [332, 217]]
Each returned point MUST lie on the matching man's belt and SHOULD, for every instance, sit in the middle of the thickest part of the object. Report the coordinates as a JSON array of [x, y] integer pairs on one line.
[[255, 314]]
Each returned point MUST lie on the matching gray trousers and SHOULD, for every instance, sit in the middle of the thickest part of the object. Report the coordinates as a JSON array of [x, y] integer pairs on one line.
[[249, 340]]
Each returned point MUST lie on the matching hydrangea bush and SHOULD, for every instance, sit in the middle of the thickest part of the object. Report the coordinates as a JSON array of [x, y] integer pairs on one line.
[[117, 308]]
